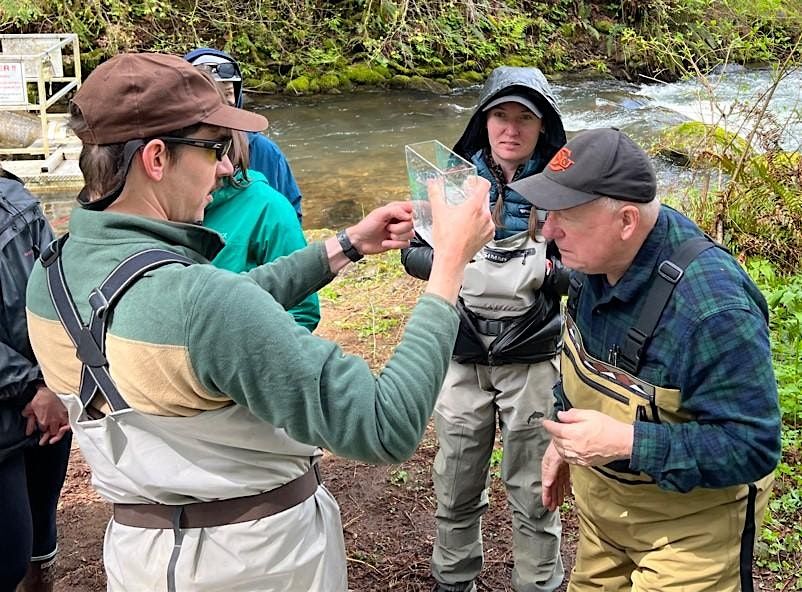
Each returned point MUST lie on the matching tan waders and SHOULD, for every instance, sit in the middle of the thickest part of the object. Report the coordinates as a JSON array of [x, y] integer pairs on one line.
[[635, 536], [465, 419]]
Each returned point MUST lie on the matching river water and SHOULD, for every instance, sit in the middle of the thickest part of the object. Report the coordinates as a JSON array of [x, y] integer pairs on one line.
[[347, 151]]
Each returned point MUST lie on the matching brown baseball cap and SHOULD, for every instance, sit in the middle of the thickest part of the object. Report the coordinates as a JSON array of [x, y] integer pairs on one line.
[[595, 163], [142, 95]]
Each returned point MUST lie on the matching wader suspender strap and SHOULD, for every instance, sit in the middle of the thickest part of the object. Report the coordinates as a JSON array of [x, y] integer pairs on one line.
[[90, 341], [669, 273], [574, 288]]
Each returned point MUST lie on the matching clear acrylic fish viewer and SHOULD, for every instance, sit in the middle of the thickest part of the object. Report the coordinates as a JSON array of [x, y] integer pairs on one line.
[[433, 160]]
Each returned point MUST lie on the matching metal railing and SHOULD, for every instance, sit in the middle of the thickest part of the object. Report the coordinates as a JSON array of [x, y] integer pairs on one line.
[[37, 59]]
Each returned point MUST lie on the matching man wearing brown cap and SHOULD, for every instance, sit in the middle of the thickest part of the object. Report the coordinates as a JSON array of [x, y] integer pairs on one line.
[[196, 399], [669, 414]]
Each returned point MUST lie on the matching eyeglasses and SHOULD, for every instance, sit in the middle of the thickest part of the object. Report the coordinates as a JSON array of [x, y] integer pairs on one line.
[[221, 147], [224, 71]]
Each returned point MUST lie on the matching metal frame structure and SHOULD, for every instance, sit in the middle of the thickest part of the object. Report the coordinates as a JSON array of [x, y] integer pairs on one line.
[[45, 75]]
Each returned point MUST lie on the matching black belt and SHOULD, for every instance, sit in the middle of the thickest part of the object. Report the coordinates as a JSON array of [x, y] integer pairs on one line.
[[492, 327]]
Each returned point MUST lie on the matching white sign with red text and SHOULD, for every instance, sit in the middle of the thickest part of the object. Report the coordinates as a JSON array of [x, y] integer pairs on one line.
[[12, 85]]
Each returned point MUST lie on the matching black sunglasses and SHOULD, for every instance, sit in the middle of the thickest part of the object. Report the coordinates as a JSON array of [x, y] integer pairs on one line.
[[224, 71], [221, 147]]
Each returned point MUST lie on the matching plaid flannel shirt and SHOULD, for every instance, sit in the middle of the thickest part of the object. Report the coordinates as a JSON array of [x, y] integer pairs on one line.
[[712, 343]]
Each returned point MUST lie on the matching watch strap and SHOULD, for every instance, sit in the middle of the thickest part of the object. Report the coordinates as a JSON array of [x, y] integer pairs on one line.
[[348, 249]]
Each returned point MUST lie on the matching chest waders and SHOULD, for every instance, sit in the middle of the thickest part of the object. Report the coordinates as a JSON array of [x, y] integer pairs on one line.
[[505, 315], [635, 536], [89, 341], [502, 288]]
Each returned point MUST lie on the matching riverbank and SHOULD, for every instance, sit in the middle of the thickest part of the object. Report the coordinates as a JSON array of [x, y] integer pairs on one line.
[[300, 47], [347, 151]]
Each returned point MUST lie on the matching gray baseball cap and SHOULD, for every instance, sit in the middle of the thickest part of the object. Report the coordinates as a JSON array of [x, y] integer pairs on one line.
[[593, 164], [521, 100]]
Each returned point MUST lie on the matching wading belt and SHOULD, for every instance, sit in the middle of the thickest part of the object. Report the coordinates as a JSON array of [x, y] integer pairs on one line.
[[539, 312], [669, 273], [221, 512]]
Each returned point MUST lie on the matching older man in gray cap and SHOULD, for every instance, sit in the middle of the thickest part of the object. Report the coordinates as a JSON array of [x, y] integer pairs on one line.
[[199, 403], [669, 414]]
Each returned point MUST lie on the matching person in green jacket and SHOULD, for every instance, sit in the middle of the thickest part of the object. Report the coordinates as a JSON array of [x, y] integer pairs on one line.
[[258, 225], [201, 407]]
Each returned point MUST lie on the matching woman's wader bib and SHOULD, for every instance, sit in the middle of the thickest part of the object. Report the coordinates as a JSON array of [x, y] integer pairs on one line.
[[505, 276]]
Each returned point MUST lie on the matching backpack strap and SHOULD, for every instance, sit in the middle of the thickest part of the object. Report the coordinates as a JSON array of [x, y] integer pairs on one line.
[[669, 273], [90, 340]]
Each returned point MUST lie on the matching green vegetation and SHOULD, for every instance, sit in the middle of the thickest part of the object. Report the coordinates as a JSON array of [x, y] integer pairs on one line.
[[399, 476], [698, 144], [751, 202], [666, 38], [750, 195], [781, 540], [303, 46], [495, 462]]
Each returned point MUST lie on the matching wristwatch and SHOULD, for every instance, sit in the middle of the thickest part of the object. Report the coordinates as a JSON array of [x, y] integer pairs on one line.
[[349, 249]]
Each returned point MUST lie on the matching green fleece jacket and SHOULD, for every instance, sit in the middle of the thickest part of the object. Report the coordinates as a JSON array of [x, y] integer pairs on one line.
[[258, 225], [188, 338]]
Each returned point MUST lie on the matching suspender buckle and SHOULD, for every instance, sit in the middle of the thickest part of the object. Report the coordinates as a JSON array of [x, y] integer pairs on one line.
[[631, 350], [637, 337], [50, 253], [98, 302], [670, 271]]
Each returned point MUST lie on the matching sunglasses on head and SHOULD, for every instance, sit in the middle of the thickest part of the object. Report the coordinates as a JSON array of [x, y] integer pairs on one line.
[[221, 147], [224, 71]]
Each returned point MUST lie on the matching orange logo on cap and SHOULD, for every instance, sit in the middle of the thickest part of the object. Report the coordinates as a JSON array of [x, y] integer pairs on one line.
[[561, 161]]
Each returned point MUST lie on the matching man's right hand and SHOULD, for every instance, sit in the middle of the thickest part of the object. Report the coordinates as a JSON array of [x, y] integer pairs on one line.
[[46, 413], [458, 233], [556, 478]]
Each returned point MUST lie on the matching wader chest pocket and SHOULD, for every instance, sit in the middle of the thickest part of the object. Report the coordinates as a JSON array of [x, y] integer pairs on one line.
[[608, 392]]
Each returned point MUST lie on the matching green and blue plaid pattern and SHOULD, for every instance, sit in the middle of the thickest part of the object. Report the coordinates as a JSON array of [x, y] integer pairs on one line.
[[712, 343]]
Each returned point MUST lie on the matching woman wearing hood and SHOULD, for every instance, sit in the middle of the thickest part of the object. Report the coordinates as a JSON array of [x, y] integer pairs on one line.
[[504, 362]]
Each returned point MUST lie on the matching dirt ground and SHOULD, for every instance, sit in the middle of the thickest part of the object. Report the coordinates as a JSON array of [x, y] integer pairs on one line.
[[388, 520], [387, 512]]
